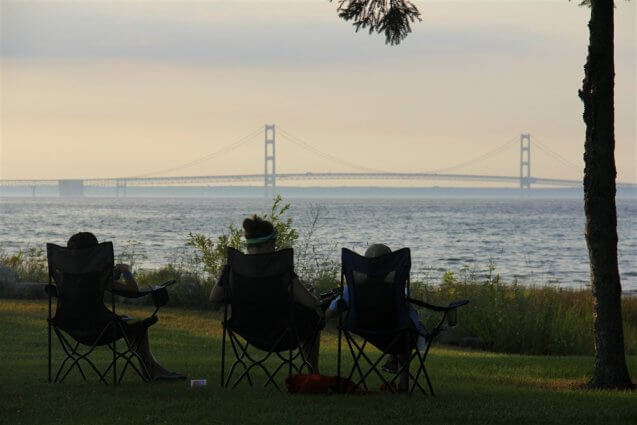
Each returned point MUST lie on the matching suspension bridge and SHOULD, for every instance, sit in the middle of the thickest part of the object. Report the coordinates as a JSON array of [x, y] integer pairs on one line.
[[270, 177]]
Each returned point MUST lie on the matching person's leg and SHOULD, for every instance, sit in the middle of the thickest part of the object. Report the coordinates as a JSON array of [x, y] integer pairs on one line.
[[391, 365], [311, 352], [307, 322], [404, 360], [403, 380], [156, 370]]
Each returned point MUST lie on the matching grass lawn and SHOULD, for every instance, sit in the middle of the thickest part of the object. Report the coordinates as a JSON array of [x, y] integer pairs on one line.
[[471, 386]]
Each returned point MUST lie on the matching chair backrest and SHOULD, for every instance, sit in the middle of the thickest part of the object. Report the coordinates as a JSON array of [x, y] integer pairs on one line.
[[81, 276], [259, 291], [378, 289]]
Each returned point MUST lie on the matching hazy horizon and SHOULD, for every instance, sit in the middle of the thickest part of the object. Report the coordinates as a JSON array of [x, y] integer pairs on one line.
[[97, 89]]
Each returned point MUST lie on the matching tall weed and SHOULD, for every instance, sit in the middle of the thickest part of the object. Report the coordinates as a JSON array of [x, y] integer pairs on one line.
[[514, 318], [30, 264]]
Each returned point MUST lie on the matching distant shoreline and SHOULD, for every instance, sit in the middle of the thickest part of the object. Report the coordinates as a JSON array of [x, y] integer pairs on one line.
[[363, 192]]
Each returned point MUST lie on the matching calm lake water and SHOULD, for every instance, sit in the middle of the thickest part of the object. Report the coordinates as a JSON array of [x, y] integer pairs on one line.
[[534, 241]]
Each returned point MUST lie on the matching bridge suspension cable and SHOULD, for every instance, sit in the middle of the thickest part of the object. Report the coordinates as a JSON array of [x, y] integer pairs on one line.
[[297, 141], [308, 147], [228, 148], [494, 152], [556, 156]]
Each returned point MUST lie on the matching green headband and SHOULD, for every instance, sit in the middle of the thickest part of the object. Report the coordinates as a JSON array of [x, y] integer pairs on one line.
[[261, 239]]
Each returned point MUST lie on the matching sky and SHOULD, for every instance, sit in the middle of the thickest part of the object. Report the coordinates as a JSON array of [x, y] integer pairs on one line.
[[93, 89]]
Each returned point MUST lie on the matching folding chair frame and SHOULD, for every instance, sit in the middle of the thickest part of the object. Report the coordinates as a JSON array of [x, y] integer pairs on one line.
[[294, 358], [410, 336], [75, 354], [240, 349]]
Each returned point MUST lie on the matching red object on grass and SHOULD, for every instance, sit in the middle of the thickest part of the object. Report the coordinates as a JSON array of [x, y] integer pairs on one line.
[[317, 384]]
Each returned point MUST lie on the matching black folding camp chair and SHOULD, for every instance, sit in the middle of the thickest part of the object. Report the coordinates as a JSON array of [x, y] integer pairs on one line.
[[261, 319], [78, 279], [378, 313]]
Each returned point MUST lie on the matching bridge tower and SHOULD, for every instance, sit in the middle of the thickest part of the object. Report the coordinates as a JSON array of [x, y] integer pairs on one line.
[[269, 173], [525, 163]]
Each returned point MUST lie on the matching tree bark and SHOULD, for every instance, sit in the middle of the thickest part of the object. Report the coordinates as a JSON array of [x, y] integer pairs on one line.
[[597, 93]]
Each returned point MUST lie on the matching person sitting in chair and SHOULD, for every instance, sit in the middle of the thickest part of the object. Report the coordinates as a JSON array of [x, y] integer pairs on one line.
[[338, 305], [260, 238], [84, 240]]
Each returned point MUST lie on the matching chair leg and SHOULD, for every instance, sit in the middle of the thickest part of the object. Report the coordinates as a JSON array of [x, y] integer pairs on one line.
[[234, 342], [289, 362], [358, 352], [114, 354], [356, 357], [223, 355], [249, 362], [360, 349], [75, 357], [49, 357], [338, 361], [421, 369], [73, 354]]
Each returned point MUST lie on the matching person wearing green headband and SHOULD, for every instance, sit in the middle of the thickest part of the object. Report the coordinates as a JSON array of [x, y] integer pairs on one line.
[[260, 238]]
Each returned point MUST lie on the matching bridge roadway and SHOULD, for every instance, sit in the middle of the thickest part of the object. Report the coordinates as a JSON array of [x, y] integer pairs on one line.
[[240, 178]]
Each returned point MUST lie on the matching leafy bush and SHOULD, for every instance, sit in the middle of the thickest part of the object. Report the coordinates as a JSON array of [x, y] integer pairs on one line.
[[212, 252], [30, 265], [191, 290], [514, 318]]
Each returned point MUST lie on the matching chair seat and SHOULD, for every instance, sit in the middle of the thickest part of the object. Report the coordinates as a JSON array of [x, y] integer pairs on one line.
[[266, 342], [91, 336], [265, 337], [386, 341]]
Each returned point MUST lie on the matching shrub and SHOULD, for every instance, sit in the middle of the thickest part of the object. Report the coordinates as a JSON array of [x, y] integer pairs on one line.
[[30, 264], [191, 290], [212, 252], [514, 318]]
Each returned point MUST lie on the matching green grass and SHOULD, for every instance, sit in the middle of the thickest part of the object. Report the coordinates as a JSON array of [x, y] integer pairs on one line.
[[472, 386]]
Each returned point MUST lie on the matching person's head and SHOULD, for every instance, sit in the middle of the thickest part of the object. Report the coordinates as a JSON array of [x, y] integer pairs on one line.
[[82, 240], [377, 250], [260, 235]]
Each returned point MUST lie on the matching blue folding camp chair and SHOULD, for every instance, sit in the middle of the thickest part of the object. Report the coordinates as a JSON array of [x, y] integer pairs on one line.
[[378, 313]]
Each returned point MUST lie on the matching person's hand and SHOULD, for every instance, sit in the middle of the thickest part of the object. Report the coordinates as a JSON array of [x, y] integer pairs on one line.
[[120, 268]]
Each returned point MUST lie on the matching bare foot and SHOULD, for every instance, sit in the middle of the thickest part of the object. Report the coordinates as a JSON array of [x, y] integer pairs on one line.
[[160, 372]]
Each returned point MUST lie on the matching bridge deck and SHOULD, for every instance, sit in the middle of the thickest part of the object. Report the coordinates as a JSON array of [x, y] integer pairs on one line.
[[241, 178]]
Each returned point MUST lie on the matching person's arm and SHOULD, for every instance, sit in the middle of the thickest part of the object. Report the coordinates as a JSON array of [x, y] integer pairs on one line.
[[217, 293], [304, 297], [129, 283], [333, 310]]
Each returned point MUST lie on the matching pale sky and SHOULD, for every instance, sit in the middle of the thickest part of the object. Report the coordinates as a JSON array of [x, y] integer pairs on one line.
[[109, 89]]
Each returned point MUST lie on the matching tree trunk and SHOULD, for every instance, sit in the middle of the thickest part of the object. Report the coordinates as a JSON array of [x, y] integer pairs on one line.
[[599, 200]]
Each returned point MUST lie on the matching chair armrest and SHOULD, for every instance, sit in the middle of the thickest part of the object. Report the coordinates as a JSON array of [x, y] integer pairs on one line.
[[51, 290], [326, 298], [451, 306], [159, 293], [330, 295], [130, 294]]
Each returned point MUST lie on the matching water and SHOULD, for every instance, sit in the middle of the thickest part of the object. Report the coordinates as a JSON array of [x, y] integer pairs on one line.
[[534, 241]]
